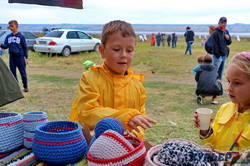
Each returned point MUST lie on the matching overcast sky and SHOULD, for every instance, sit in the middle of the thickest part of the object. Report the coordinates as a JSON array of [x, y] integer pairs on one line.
[[132, 11]]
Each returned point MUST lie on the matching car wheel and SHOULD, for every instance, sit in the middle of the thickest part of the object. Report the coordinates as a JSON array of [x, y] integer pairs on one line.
[[96, 49], [66, 51]]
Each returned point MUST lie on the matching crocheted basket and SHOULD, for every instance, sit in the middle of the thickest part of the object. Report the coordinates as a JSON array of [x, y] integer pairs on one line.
[[108, 123], [27, 139], [11, 131], [111, 148], [33, 119], [150, 159], [180, 152], [59, 142]]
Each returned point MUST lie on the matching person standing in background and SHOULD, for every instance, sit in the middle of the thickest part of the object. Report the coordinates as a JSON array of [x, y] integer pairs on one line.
[[220, 41], [208, 44], [158, 39], [152, 39], [174, 40], [189, 37], [18, 51], [169, 40], [163, 39]]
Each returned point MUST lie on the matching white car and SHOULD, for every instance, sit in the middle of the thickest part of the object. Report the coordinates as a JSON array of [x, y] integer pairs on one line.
[[66, 41]]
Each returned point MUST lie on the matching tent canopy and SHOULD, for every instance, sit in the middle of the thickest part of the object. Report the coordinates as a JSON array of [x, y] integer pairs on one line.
[[77, 4]]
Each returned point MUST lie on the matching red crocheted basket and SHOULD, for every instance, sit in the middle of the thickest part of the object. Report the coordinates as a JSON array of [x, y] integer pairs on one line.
[[111, 148]]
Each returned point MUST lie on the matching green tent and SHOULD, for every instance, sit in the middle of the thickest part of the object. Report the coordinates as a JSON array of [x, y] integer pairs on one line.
[[9, 89]]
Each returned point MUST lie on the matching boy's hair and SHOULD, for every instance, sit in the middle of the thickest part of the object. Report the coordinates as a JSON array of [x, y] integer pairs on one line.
[[242, 62], [114, 26], [200, 59], [13, 21], [208, 58]]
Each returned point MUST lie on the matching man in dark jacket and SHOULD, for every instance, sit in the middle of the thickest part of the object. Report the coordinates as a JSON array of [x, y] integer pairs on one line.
[[220, 40], [189, 36]]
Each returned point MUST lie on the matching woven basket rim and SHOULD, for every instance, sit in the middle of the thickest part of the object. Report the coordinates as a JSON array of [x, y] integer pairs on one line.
[[120, 158], [153, 150], [38, 128], [9, 113], [11, 117], [35, 113]]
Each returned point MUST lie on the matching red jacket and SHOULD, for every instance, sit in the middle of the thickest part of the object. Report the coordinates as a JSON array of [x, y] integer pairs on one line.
[[152, 40]]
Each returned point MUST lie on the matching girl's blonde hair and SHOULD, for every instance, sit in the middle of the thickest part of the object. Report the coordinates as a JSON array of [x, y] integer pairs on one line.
[[242, 62], [117, 26]]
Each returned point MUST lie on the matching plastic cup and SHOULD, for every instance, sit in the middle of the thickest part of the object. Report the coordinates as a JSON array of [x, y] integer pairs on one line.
[[204, 115]]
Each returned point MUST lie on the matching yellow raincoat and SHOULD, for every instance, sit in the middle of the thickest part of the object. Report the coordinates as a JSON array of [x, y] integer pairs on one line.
[[102, 94], [227, 125]]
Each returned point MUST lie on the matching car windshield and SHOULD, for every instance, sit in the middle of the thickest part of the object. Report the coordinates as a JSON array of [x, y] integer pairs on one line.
[[2, 32], [56, 34], [29, 35]]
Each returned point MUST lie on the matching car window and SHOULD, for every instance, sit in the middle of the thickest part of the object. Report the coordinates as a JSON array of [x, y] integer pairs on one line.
[[29, 35], [56, 34], [2, 33], [72, 35], [83, 35]]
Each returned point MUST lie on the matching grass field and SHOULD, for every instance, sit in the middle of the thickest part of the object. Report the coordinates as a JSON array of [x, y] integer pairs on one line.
[[169, 83]]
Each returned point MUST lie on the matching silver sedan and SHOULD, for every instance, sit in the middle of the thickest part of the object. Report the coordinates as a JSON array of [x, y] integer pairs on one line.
[[66, 41]]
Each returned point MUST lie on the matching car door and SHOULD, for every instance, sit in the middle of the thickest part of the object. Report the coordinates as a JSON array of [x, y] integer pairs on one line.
[[87, 42], [73, 41]]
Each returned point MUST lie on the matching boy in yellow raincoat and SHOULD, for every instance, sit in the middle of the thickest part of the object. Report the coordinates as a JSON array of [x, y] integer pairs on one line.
[[112, 90]]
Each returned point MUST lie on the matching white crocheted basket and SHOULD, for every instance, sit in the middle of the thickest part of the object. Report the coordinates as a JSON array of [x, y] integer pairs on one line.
[[111, 148]]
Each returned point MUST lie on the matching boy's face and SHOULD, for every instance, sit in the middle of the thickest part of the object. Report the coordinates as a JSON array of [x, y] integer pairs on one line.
[[13, 27], [118, 53]]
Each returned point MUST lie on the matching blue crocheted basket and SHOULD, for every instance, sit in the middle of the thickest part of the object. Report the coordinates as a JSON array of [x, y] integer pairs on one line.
[[59, 142], [108, 123], [11, 131], [33, 119], [27, 139]]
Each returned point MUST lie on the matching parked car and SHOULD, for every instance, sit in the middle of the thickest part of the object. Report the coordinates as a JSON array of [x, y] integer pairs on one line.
[[29, 36], [66, 41]]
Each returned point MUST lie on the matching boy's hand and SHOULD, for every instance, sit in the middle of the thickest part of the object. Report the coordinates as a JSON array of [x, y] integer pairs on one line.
[[139, 120], [26, 61]]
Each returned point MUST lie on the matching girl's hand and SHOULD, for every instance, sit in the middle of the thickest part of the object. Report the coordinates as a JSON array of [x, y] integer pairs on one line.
[[197, 124], [196, 120], [139, 120]]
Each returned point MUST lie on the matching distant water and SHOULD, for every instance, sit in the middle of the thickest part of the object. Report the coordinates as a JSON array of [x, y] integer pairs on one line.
[[199, 29]]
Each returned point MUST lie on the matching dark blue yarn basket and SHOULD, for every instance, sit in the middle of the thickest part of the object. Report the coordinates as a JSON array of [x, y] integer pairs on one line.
[[59, 142], [108, 123], [11, 131]]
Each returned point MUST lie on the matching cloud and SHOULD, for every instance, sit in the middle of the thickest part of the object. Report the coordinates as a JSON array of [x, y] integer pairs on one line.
[[133, 11]]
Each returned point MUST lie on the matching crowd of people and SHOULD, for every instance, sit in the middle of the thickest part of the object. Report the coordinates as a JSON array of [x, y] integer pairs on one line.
[[161, 38]]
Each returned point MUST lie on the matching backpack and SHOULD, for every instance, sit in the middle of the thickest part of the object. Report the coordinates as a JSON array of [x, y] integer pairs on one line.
[[208, 45]]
